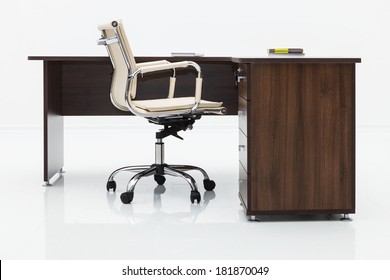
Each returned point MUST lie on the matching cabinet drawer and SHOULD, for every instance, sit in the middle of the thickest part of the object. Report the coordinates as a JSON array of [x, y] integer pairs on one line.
[[243, 115], [243, 150], [243, 185], [242, 80]]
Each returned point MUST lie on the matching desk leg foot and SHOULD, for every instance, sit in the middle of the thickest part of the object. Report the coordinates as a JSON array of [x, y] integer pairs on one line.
[[58, 175], [346, 218], [252, 218], [46, 184]]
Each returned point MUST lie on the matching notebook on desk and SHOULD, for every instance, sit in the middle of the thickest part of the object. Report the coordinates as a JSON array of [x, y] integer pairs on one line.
[[186, 54]]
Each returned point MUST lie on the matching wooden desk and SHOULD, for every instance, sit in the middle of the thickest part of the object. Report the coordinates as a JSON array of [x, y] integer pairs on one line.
[[296, 120], [80, 86]]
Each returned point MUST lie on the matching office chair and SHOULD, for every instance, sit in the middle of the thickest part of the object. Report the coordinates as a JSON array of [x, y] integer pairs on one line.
[[173, 113]]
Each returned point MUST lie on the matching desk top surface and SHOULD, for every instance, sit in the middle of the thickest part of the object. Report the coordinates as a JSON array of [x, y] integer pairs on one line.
[[267, 59]]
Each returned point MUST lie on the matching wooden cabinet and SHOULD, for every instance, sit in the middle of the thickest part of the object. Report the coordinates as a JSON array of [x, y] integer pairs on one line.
[[297, 137]]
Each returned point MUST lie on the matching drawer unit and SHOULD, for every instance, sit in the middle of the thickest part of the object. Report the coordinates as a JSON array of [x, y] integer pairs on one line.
[[296, 138], [243, 124], [243, 112], [242, 81], [243, 150], [243, 186]]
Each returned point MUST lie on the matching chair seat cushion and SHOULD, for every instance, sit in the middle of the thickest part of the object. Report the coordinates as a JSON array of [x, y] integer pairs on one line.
[[171, 104]]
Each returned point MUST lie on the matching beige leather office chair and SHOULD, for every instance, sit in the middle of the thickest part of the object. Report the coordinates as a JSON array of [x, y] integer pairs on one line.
[[175, 114]]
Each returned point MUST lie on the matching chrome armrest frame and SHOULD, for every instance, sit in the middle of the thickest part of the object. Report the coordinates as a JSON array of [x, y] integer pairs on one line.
[[107, 41], [169, 66], [198, 69], [163, 66]]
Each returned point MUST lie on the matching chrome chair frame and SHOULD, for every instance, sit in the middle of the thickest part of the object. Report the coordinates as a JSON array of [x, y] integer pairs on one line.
[[181, 120]]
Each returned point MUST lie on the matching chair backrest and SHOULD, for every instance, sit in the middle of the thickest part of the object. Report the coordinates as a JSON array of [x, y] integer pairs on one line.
[[123, 63]]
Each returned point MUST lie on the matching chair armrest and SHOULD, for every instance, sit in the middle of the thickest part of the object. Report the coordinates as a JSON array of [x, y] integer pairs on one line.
[[107, 41], [160, 67], [149, 63], [153, 67]]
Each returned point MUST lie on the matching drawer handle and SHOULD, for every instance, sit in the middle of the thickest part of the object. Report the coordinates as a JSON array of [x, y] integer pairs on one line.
[[240, 78], [238, 75], [241, 148]]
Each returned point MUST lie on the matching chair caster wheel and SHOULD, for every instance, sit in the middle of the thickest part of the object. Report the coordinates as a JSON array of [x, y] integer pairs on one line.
[[160, 189], [195, 195], [111, 185], [159, 179], [127, 197], [208, 184]]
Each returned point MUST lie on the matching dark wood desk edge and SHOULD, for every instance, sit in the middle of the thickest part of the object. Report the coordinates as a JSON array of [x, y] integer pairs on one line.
[[138, 58], [206, 59], [286, 59], [69, 58]]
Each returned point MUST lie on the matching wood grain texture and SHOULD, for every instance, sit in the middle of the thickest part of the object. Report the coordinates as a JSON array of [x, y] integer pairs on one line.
[[302, 146], [86, 86]]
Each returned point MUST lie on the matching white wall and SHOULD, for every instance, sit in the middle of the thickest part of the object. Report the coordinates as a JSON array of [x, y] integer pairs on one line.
[[351, 28]]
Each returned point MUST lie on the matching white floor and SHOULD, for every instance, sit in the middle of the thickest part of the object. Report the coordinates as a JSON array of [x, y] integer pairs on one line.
[[77, 219]]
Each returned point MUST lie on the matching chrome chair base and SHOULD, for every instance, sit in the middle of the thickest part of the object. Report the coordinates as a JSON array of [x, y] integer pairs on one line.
[[159, 169]]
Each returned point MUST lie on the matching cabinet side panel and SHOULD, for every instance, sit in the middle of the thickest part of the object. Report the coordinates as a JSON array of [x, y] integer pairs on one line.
[[302, 121], [328, 111]]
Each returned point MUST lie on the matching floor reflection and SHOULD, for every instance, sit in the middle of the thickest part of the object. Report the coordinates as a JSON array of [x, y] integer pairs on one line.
[[213, 229], [127, 210]]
